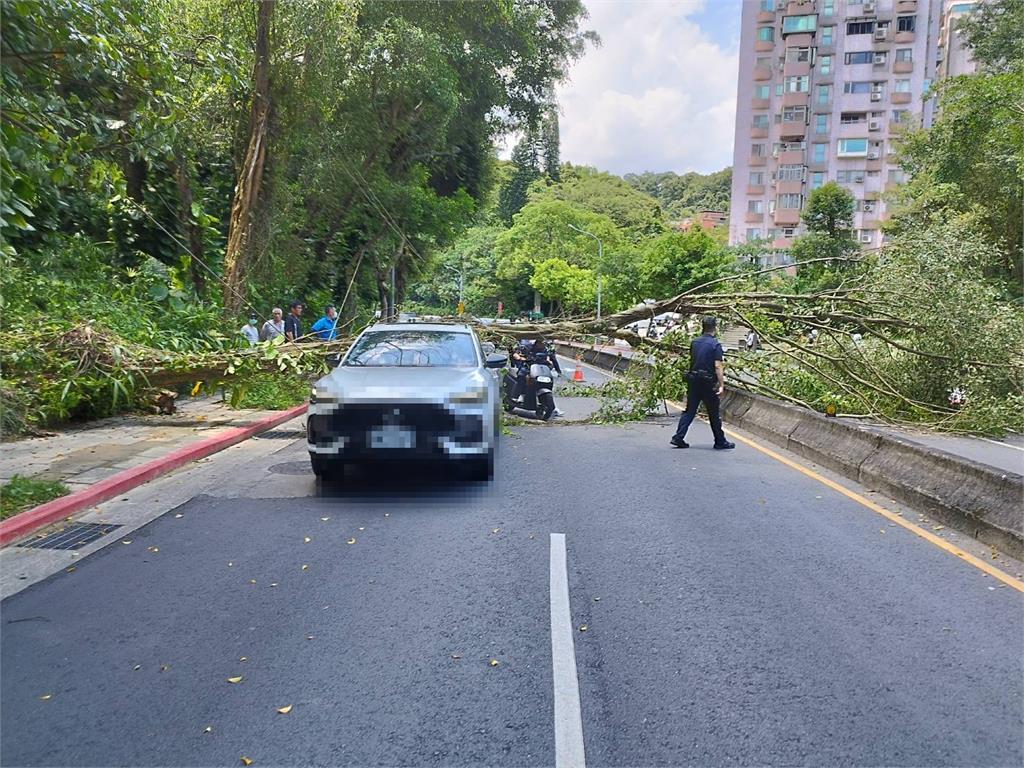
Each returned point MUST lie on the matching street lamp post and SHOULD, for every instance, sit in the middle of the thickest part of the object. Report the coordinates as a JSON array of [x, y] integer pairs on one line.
[[600, 261], [462, 273]]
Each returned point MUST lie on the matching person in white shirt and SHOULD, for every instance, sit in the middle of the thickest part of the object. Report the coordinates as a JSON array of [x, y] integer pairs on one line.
[[274, 327], [249, 331]]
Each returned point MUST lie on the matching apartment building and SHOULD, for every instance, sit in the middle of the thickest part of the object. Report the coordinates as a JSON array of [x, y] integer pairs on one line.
[[823, 87], [953, 58]]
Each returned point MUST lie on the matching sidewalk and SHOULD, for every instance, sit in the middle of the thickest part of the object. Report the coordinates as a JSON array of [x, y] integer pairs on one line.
[[82, 456]]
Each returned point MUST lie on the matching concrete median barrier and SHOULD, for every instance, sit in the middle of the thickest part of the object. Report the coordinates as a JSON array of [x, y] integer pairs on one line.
[[981, 501]]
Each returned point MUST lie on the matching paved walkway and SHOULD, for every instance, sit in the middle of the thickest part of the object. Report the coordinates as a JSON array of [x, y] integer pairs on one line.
[[81, 456]]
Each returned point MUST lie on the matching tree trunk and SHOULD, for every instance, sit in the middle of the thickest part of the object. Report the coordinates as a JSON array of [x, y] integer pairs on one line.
[[250, 176], [190, 230]]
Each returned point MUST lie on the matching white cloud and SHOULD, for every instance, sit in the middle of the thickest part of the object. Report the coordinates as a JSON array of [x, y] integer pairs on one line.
[[659, 94]]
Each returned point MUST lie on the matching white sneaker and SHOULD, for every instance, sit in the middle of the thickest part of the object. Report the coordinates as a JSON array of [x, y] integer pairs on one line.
[[558, 412]]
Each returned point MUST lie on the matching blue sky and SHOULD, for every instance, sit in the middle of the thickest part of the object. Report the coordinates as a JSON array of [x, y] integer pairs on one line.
[[660, 92]]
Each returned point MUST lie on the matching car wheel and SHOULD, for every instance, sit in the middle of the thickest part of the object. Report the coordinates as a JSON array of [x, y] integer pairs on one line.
[[482, 468], [327, 467]]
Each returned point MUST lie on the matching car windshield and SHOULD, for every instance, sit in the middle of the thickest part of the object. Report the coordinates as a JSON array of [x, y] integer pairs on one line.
[[413, 349]]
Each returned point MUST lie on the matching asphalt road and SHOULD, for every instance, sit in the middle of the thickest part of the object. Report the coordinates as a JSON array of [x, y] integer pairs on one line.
[[736, 612]]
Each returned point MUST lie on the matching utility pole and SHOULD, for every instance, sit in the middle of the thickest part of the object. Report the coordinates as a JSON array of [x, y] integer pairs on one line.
[[600, 262], [392, 315]]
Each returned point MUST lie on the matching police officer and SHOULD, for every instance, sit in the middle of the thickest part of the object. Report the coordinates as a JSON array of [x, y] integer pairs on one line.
[[706, 383]]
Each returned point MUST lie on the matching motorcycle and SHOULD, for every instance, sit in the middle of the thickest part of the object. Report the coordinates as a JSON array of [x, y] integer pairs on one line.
[[537, 389]]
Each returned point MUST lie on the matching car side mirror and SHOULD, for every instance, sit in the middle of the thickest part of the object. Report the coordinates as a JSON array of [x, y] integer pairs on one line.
[[497, 360]]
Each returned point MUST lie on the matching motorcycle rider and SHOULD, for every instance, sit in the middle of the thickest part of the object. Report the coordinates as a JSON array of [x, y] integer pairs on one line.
[[527, 352]]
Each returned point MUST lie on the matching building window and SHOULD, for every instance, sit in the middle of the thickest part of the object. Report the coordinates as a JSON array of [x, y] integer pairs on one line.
[[859, 57], [896, 176], [766, 34], [860, 27], [853, 147], [901, 86], [768, 5], [791, 173], [760, 121], [904, 54], [857, 86], [821, 123], [807, 23], [817, 179], [824, 94], [850, 177], [794, 114], [753, 233], [818, 152], [828, 36], [851, 118], [758, 150], [763, 92], [755, 206], [906, 23], [779, 89], [828, 8], [789, 201], [901, 115], [825, 64], [797, 83], [798, 55], [756, 178], [764, 62]]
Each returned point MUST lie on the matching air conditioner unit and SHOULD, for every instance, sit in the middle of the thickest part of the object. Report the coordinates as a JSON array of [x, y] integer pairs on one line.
[[868, 207], [881, 34], [879, 58], [866, 238], [876, 96], [874, 125], [868, 8], [874, 154]]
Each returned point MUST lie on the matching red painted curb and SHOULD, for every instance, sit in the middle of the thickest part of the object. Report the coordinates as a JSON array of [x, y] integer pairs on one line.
[[52, 511]]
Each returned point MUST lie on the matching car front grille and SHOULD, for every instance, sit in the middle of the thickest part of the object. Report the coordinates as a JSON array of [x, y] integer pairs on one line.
[[430, 422]]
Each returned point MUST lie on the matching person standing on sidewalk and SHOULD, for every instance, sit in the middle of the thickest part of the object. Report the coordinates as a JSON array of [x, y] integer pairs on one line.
[[326, 327], [249, 331], [274, 327], [706, 382], [293, 323]]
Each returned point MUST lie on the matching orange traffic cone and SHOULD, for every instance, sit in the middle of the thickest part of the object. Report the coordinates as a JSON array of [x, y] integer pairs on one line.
[[577, 374]]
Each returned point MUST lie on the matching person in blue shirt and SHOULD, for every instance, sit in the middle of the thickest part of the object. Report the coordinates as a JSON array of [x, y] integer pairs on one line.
[[706, 382], [325, 328]]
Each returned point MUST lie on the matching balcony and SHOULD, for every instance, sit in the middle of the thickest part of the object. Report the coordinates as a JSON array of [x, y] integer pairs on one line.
[[759, 132], [789, 186], [762, 73], [895, 126], [905, 37], [796, 99], [902, 67], [906, 7], [757, 161], [786, 216], [764, 45], [793, 129], [765, 17], [791, 157], [760, 103], [902, 98], [796, 68], [753, 218], [799, 40]]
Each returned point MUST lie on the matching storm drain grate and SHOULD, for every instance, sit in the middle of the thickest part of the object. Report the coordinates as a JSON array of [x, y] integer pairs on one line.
[[74, 536], [282, 434]]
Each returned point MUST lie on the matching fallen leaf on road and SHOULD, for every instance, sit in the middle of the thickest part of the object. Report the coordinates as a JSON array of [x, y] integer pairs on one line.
[[597, 599], [285, 710], [243, 658], [126, 541], [456, 656], [179, 515], [361, 528], [307, 539], [532, 536], [246, 760], [324, 519], [72, 569], [208, 729], [938, 527], [273, 583], [46, 697], [495, 530], [387, 514], [152, 549], [305, 567], [583, 628], [881, 530], [817, 497], [310, 637], [494, 662], [351, 541], [164, 667], [136, 668], [235, 679]]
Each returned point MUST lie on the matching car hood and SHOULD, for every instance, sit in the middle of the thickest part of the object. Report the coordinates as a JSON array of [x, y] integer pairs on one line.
[[389, 384]]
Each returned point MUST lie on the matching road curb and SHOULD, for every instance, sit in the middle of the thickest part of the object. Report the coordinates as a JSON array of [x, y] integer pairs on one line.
[[976, 499], [21, 525]]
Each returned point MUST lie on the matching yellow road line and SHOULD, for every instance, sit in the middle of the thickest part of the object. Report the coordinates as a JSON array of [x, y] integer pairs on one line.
[[892, 516]]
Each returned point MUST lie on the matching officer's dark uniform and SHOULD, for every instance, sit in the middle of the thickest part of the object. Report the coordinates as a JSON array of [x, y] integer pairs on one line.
[[703, 383]]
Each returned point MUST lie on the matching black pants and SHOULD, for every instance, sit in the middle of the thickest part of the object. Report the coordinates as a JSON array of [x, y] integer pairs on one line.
[[697, 393]]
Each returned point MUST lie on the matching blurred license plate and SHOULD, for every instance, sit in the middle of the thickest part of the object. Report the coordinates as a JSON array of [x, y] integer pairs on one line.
[[392, 437]]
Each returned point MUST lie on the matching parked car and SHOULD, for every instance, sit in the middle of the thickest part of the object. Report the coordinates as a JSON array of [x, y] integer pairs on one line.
[[408, 392]]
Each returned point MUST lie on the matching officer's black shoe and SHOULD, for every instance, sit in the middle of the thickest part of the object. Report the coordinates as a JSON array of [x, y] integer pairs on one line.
[[676, 443], [724, 446]]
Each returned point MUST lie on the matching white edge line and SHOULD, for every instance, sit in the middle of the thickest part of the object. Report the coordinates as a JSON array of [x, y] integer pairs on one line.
[[568, 714]]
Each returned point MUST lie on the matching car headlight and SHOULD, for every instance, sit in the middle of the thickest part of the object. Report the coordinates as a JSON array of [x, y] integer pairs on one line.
[[319, 396], [470, 396]]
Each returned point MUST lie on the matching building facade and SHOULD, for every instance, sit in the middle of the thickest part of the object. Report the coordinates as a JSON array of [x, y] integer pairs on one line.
[[824, 85]]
